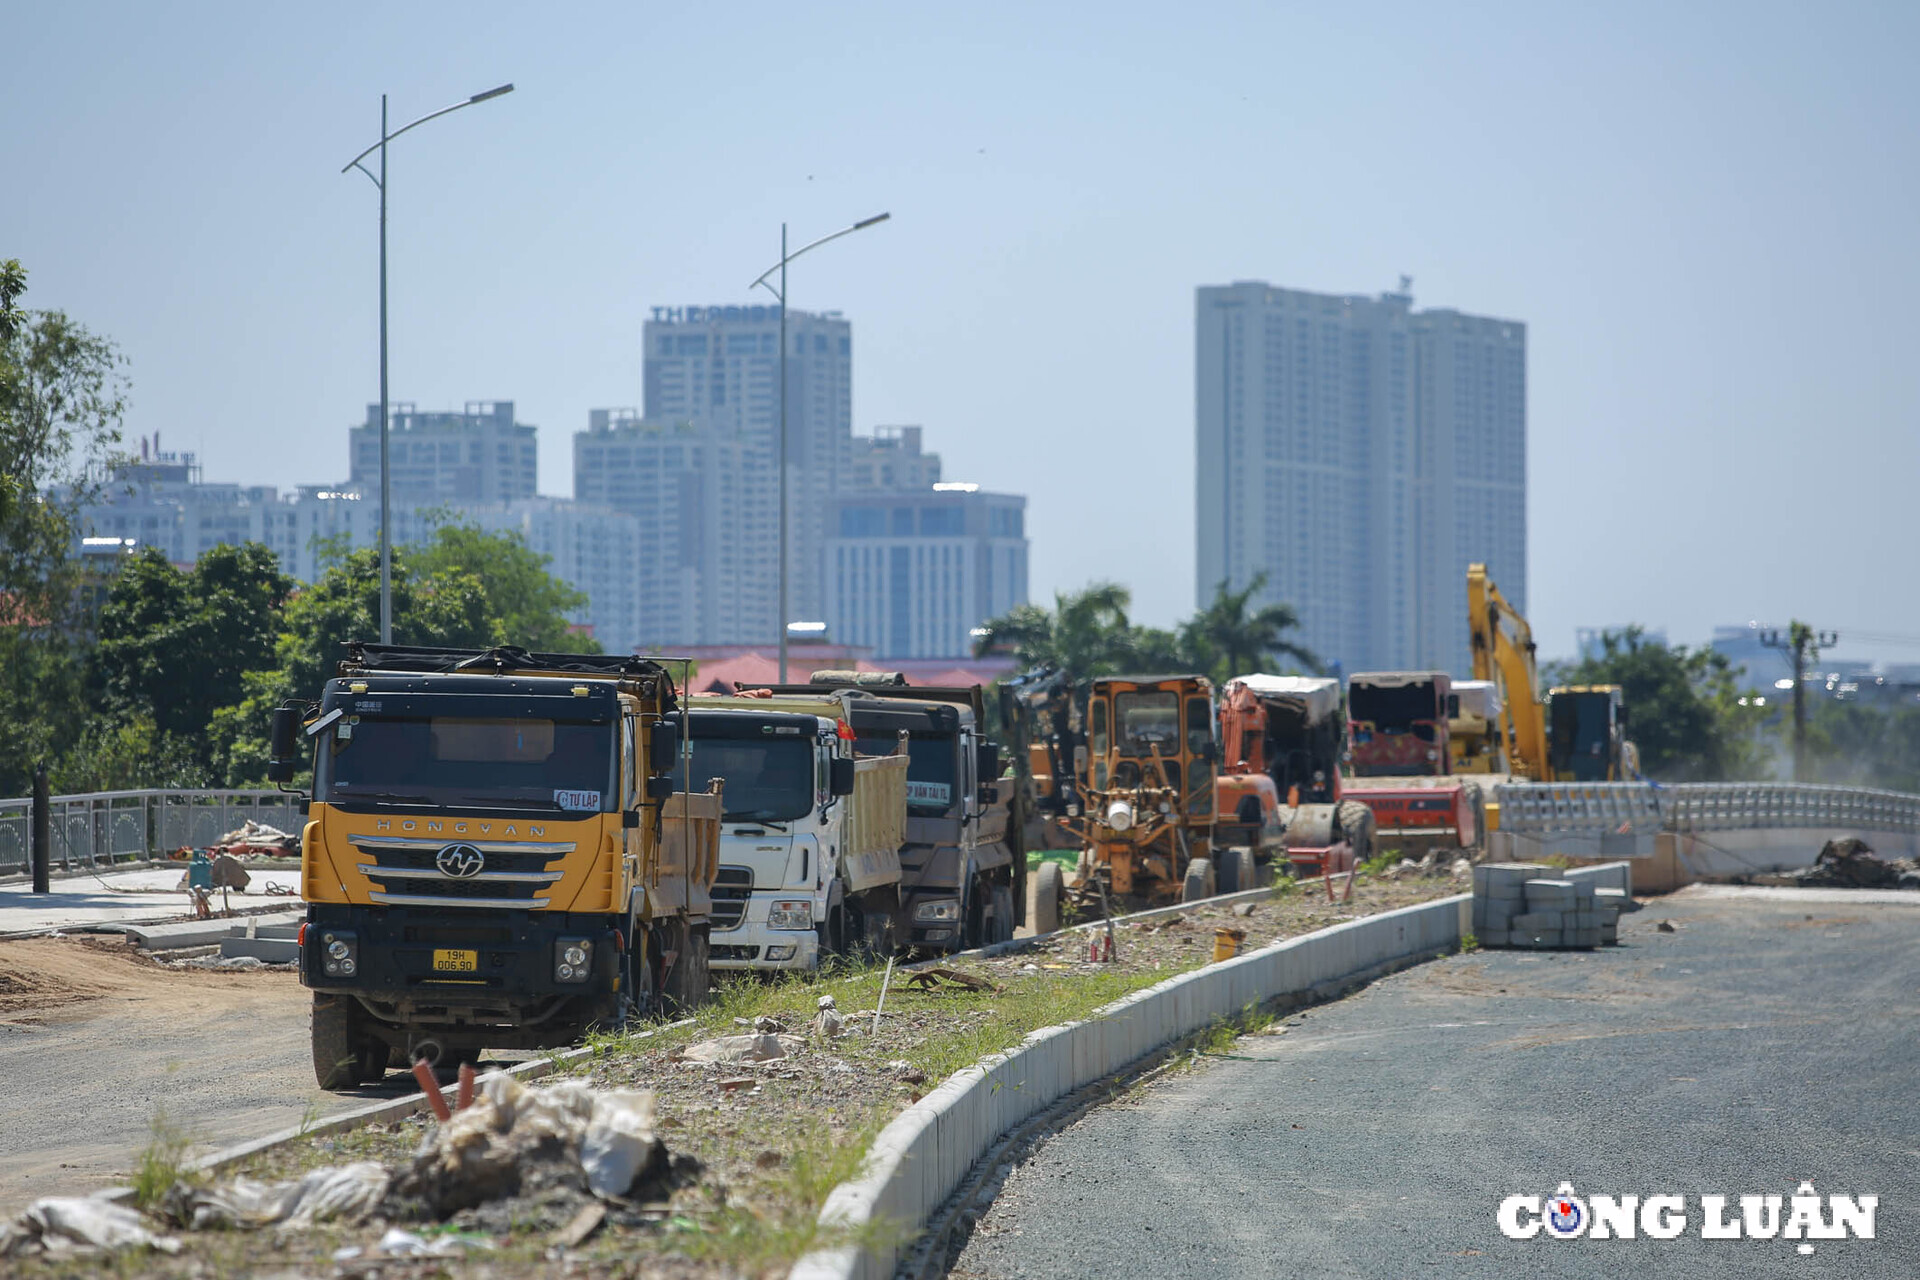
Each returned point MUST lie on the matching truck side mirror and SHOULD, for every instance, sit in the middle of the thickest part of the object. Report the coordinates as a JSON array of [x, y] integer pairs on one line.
[[284, 752], [660, 786], [629, 818], [840, 783], [987, 761], [663, 747]]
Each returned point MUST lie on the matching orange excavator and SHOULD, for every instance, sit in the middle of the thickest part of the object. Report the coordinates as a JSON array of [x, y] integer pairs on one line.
[[1279, 790]]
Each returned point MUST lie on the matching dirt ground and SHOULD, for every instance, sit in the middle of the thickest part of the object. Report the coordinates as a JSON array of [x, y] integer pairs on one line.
[[97, 1040]]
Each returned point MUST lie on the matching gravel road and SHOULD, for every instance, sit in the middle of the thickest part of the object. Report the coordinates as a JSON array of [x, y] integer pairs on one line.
[[1767, 1040]]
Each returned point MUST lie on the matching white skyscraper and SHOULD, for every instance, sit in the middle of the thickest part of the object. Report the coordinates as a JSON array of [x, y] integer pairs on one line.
[[1361, 454], [717, 368]]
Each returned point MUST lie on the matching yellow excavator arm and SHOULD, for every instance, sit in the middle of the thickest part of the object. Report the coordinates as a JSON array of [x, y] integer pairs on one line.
[[1503, 653]]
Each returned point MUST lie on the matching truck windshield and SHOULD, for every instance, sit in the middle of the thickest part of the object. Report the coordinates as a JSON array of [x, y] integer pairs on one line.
[[534, 764], [768, 780], [930, 768], [1393, 709]]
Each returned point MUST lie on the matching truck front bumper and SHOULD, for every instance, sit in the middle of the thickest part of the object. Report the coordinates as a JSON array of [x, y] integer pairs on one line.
[[409, 967], [752, 945]]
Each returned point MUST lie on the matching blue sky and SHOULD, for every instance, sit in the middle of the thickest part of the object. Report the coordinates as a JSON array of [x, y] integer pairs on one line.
[[1704, 214]]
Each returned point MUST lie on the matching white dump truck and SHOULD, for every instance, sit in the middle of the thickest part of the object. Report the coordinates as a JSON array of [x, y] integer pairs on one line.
[[810, 838]]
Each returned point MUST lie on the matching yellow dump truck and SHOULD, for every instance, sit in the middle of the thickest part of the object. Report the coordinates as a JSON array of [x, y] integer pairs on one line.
[[502, 849]]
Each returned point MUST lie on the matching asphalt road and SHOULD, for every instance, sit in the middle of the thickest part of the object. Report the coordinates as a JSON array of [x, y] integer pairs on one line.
[[1767, 1040]]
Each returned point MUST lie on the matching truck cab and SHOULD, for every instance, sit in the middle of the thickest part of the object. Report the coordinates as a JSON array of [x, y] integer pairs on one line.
[[1586, 734], [809, 840], [497, 853]]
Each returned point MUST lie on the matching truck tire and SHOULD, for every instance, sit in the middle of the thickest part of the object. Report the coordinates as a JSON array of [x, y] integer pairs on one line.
[[1001, 928], [1354, 823], [336, 1058], [686, 983], [1046, 888], [1234, 870], [1196, 886]]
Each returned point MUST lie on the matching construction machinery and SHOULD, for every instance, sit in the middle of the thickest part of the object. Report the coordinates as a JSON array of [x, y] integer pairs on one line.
[[1147, 782], [1402, 761], [502, 849], [1279, 792], [1587, 735], [1473, 727], [1399, 723], [1041, 719], [1577, 733]]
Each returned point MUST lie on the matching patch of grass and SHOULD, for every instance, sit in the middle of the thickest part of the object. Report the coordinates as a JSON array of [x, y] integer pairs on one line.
[[159, 1164], [1378, 862], [1469, 942]]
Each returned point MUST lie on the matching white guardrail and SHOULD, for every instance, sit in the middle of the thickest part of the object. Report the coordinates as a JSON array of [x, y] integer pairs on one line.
[[1613, 809], [130, 826]]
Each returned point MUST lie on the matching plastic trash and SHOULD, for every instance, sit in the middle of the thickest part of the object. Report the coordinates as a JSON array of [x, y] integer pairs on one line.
[[345, 1193], [71, 1224], [619, 1141]]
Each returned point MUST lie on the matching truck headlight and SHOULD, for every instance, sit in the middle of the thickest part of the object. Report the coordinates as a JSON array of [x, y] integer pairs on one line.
[[938, 909], [339, 953], [1119, 815], [573, 959], [780, 953], [796, 913]]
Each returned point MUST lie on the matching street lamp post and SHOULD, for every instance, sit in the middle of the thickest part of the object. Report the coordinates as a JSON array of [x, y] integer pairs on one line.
[[386, 540], [781, 294]]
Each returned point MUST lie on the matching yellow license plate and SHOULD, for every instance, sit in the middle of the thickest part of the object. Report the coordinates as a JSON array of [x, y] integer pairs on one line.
[[456, 961]]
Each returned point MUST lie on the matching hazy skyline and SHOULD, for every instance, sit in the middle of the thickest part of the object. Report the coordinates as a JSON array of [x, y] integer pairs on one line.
[[1700, 214]]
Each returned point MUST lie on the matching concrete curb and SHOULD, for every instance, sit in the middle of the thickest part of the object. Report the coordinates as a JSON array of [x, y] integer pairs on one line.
[[919, 1159]]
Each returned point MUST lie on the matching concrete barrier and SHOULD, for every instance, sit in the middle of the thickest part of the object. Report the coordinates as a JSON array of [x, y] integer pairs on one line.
[[919, 1159]]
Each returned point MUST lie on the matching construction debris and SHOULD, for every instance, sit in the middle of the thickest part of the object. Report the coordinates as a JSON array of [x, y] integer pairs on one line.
[[1851, 864], [763, 1047], [258, 838], [61, 1227]]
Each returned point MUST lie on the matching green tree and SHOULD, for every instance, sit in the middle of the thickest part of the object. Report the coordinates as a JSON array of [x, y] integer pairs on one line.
[[529, 601], [1683, 708], [1229, 638], [61, 398], [448, 607], [1085, 634], [175, 646]]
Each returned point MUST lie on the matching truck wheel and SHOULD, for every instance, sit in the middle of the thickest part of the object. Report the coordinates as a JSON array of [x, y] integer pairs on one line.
[[1002, 928], [1234, 871], [1199, 871], [1046, 887], [1354, 822], [687, 981], [336, 1059], [370, 1063]]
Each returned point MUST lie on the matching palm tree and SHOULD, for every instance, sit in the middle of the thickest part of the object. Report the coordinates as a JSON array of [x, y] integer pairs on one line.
[[1085, 634], [1230, 641]]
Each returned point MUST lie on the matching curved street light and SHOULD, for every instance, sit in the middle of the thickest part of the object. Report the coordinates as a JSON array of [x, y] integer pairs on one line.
[[781, 294], [386, 540]]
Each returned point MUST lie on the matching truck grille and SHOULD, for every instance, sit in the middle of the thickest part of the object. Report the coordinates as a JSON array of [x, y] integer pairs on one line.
[[515, 875], [730, 893]]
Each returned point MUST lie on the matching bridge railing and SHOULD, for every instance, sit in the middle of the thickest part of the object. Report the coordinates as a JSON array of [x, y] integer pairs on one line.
[[104, 827], [1637, 808]]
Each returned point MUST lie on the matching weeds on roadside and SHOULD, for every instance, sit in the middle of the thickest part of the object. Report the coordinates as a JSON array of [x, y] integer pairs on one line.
[[159, 1166], [1469, 941]]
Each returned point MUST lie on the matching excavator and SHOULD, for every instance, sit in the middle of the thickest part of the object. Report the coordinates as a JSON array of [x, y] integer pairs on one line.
[[1576, 734]]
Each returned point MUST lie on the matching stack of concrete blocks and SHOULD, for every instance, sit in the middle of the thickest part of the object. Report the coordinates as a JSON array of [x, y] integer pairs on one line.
[[1520, 904]]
